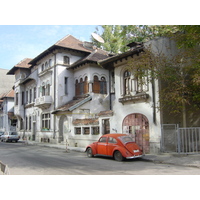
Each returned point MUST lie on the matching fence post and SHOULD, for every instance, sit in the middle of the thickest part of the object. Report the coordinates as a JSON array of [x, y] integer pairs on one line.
[[178, 139]]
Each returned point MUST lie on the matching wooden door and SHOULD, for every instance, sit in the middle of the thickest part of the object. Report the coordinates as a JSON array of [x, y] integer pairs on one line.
[[137, 126]]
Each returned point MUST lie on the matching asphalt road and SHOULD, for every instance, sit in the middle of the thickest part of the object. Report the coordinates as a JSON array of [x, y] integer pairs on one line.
[[37, 160]]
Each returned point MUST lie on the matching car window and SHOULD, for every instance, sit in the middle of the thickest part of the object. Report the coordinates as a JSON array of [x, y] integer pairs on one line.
[[126, 139], [13, 133], [103, 139], [112, 140]]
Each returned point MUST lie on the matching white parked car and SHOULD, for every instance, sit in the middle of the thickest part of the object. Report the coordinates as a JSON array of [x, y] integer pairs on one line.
[[10, 137]]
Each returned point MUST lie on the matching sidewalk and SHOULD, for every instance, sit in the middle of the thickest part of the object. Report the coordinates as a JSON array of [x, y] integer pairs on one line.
[[188, 160]]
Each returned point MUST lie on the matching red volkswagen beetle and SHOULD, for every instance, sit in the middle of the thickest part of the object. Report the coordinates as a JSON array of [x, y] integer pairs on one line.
[[119, 146]]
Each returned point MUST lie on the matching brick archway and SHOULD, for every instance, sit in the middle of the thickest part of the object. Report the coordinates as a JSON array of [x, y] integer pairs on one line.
[[137, 126]]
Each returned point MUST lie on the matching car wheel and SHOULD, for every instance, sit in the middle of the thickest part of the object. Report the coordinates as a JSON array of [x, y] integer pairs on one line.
[[118, 156], [89, 153]]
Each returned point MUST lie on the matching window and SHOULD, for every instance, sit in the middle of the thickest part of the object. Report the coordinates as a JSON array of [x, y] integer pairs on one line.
[[103, 89], [96, 85], [86, 130], [46, 121], [99, 86], [66, 60], [27, 96], [82, 86], [46, 90], [50, 63], [29, 122], [42, 67], [21, 124], [127, 82], [112, 140], [106, 126], [34, 93], [86, 85], [30, 96], [78, 131], [95, 130], [103, 139], [66, 86], [46, 65], [16, 101], [22, 98]]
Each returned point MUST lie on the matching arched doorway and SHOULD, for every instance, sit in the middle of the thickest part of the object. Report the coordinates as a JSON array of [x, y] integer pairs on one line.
[[137, 126], [63, 128]]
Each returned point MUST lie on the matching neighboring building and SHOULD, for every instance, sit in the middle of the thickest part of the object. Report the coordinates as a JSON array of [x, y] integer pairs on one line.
[[60, 93], [6, 82], [7, 119]]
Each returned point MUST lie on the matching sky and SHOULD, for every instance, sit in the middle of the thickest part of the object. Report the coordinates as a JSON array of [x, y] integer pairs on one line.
[[27, 41]]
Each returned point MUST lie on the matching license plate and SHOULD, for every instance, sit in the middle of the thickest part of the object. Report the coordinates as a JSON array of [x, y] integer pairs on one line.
[[135, 151]]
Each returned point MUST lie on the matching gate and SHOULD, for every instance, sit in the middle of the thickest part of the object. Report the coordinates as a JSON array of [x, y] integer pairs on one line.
[[181, 140], [137, 125]]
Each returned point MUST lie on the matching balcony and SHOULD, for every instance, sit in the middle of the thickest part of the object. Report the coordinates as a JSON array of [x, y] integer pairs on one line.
[[43, 102], [135, 98]]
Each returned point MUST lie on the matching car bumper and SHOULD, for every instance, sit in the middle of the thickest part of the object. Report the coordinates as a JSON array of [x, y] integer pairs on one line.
[[131, 157]]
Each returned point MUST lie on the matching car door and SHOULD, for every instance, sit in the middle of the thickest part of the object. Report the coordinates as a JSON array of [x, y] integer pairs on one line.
[[102, 146], [112, 143]]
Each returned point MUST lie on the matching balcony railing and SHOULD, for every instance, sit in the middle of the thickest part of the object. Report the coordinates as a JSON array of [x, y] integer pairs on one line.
[[43, 102]]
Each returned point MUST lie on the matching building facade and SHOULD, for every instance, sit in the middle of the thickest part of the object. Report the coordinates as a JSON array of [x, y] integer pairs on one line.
[[60, 93], [8, 120], [72, 93]]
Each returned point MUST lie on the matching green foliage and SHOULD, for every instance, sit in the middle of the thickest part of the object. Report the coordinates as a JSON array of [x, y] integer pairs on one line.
[[179, 74]]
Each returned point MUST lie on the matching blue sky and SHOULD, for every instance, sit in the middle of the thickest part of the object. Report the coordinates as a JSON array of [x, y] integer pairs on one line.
[[27, 41]]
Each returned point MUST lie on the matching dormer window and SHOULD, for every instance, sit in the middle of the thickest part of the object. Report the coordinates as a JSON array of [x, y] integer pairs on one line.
[[66, 60]]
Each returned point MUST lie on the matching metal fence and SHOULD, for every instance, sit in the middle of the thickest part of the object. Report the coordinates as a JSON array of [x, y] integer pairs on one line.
[[181, 140]]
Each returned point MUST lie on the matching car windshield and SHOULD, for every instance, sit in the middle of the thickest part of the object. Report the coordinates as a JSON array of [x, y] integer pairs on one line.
[[126, 139]]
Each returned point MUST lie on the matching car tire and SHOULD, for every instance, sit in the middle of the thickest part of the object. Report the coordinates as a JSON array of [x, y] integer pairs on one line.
[[118, 156], [89, 153]]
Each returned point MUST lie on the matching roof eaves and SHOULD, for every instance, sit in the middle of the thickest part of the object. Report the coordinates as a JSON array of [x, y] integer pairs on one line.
[[121, 56], [80, 103]]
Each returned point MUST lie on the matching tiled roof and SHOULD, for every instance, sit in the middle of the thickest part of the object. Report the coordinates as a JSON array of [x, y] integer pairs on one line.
[[71, 42], [96, 55], [106, 113], [22, 64], [68, 42], [73, 104], [9, 94]]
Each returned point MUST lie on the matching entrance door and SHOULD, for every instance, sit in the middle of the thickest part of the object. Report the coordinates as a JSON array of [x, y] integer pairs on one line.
[[137, 126], [34, 131], [63, 129]]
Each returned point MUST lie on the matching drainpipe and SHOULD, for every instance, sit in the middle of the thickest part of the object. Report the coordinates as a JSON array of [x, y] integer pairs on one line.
[[54, 107]]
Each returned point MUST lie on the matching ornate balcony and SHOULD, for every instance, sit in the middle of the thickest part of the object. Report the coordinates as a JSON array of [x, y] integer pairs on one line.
[[43, 102], [137, 97]]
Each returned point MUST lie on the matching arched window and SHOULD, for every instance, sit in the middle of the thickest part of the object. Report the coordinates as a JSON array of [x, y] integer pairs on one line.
[[127, 82], [96, 85], [99, 86], [86, 85], [103, 87], [46, 65], [42, 67], [77, 87], [81, 86]]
